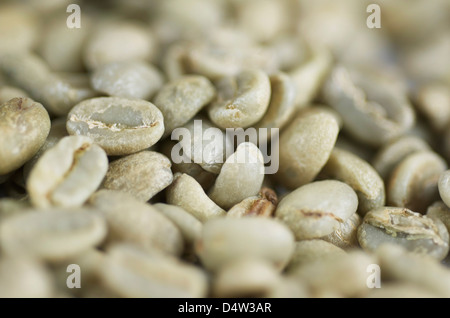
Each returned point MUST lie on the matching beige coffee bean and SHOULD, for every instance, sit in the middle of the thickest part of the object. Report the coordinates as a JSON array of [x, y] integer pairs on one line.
[[67, 174], [308, 77], [23, 277], [130, 272], [262, 205], [441, 211], [287, 288], [52, 235], [433, 100], [9, 92], [181, 99], [173, 62], [19, 27], [397, 264], [117, 41], [241, 176], [391, 154], [281, 105], [28, 72], [358, 174], [132, 221], [242, 100], [24, 126], [373, 112], [444, 186], [337, 275], [245, 278], [57, 132], [227, 240], [317, 209], [347, 143], [346, 236], [10, 207], [220, 60], [128, 79], [120, 126], [414, 182], [201, 143], [415, 232], [308, 251], [305, 146], [189, 226], [142, 174], [60, 46], [188, 194]]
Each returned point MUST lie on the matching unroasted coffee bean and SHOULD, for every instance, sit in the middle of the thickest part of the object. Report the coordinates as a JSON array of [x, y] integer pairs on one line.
[[241, 176], [180, 100], [52, 235], [241, 100], [130, 272], [117, 41], [413, 231], [135, 222], [308, 251], [142, 174], [24, 126], [187, 193], [68, 173], [190, 227], [227, 240], [427, 273], [305, 146], [264, 204], [390, 155], [317, 209], [129, 79], [10, 92], [414, 182], [345, 236], [358, 174], [28, 72], [444, 186], [373, 111], [245, 278], [441, 211], [120, 126]]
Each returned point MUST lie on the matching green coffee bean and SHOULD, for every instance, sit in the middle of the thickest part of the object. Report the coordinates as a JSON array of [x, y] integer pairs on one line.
[[181, 99], [413, 231], [358, 174], [241, 176], [305, 146], [24, 125], [345, 236], [308, 251], [9, 92], [130, 272], [117, 41], [373, 112], [227, 240], [414, 182], [132, 221], [28, 72], [120, 126], [317, 209], [390, 155], [52, 235], [444, 186], [241, 100], [245, 278], [264, 204], [128, 79], [187, 193], [68, 173], [441, 211], [142, 174]]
